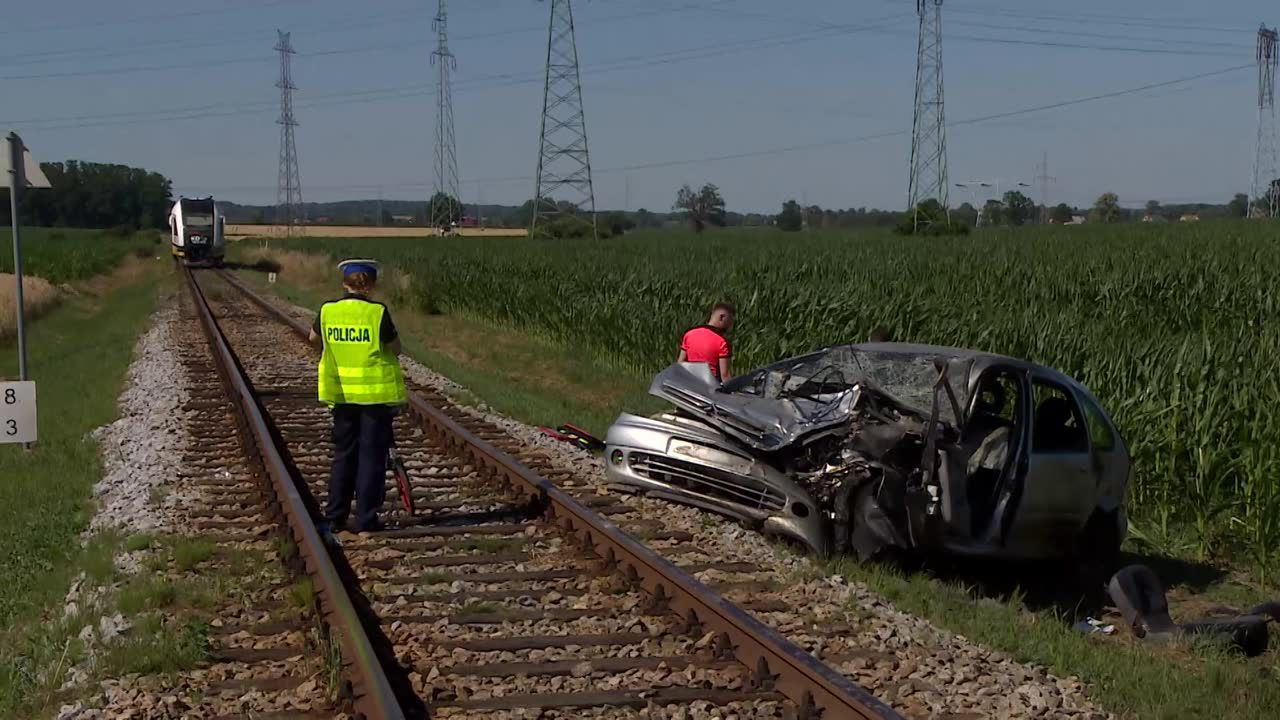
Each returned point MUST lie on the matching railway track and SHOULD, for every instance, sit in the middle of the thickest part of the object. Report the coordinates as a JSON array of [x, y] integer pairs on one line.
[[506, 594], [263, 644]]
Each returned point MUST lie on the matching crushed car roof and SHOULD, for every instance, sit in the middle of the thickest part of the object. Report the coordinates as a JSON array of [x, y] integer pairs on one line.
[[981, 359]]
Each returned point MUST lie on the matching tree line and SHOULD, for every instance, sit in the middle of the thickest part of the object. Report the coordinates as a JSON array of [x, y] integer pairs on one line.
[[94, 195], [101, 195]]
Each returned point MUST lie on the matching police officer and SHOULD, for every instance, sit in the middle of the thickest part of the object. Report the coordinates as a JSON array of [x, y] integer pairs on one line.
[[361, 382]]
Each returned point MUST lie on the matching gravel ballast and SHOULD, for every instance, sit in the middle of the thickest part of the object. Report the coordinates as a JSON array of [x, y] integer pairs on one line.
[[142, 449]]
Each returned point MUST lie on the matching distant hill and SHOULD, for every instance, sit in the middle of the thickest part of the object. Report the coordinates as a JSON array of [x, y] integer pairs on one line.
[[358, 212], [410, 212]]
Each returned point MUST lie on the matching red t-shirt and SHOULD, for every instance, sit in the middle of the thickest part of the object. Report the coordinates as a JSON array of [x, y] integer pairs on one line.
[[706, 344]]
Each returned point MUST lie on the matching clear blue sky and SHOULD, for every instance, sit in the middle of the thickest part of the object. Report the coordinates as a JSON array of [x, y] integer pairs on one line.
[[663, 80]]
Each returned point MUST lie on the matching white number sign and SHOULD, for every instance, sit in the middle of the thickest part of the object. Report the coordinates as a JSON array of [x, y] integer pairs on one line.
[[17, 412]]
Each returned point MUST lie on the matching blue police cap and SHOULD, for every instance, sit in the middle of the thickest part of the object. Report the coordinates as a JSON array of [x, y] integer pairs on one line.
[[356, 265]]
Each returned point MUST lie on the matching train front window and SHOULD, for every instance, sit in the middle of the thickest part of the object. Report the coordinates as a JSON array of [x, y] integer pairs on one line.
[[198, 221]]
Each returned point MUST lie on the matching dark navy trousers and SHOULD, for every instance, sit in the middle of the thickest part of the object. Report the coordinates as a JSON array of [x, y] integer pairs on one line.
[[361, 440]]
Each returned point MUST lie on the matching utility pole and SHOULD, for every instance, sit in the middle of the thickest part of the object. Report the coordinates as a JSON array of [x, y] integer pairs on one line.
[[289, 195], [928, 128], [972, 186], [564, 165], [1265, 191], [379, 206], [446, 146], [1044, 179]]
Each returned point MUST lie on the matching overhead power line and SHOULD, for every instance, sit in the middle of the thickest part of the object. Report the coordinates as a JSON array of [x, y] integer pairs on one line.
[[1159, 23], [149, 17], [1058, 33], [27, 59], [789, 149], [1105, 48], [201, 64], [958, 123], [763, 42], [363, 21], [490, 81], [1176, 48]]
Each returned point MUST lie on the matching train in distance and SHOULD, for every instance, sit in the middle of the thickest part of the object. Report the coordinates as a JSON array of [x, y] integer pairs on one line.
[[196, 231]]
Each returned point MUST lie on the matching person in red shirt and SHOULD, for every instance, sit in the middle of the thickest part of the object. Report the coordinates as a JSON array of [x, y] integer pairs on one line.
[[709, 344]]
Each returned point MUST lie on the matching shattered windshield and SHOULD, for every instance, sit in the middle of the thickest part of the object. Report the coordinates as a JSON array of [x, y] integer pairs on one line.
[[907, 377]]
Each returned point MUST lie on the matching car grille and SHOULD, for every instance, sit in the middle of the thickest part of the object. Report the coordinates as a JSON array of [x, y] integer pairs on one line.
[[707, 481]]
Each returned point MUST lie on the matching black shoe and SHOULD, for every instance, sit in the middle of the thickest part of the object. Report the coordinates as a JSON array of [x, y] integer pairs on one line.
[[329, 535], [376, 525]]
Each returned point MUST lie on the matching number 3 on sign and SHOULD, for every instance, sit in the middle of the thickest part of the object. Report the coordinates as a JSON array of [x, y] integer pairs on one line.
[[17, 412]]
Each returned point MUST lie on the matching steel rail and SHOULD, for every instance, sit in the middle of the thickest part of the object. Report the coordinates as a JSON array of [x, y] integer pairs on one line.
[[371, 694], [777, 664]]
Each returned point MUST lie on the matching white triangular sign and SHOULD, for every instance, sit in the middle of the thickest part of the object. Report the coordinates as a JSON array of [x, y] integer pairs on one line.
[[31, 173]]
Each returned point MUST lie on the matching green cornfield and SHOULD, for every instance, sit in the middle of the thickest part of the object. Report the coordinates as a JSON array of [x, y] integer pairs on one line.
[[63, 255], [1174, 328]]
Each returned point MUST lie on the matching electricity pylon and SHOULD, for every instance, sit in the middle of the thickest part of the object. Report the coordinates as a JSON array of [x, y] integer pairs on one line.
[[564, 165], [928, 130]]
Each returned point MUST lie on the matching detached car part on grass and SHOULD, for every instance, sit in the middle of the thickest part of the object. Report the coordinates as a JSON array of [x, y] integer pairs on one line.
[[888, 447], [1141, 599]]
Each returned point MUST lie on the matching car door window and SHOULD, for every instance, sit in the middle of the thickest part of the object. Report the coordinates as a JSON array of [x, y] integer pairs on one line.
[[1100, 433], [1058, 425], [996, 399]]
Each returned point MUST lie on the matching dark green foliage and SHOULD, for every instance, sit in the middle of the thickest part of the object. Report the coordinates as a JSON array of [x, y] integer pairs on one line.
[[615, 223], [1018, 208], [701, 207], [61, 256], [791, 219], [930, 218], [1062, 213], [95, 195], [566, 226], [443, 210]]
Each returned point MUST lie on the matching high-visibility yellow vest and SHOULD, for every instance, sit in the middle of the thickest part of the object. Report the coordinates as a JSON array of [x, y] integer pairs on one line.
[[355, 369]]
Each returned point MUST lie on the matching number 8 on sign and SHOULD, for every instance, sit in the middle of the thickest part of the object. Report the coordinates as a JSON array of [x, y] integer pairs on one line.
[[18, 412]]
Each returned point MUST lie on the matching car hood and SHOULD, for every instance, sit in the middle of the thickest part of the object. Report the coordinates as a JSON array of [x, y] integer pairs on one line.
[[763, 423]]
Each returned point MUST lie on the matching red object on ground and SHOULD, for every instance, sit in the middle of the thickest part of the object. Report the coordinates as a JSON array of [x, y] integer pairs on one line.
[[706, 344], [402, 483], [581, 437], [577, 430], [552, 434]]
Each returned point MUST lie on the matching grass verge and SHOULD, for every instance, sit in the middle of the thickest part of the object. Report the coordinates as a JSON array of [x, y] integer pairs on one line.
[[78, 356], [1186, 680]]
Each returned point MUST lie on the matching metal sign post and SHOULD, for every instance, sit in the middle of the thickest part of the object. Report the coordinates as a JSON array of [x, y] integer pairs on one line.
[[22, 173], [16, 181], [19, 415]]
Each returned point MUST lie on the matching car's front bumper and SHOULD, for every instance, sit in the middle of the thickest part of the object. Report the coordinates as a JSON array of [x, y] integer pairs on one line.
[[691, 463]]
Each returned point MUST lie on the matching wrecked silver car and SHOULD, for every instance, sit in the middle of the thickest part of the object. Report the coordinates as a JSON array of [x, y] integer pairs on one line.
[[887, 447]]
